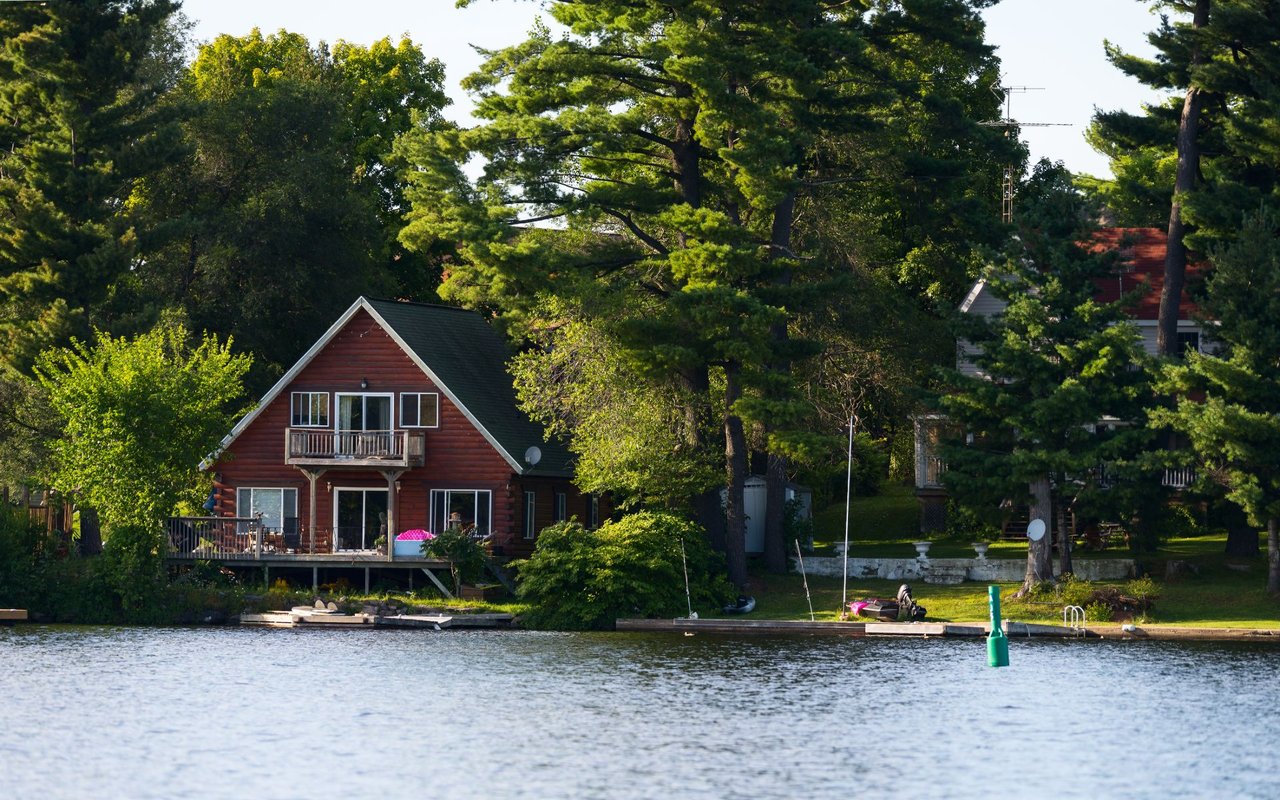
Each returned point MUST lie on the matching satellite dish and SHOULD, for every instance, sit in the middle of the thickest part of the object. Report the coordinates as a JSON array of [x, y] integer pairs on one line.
[[1035, 530], [532, 456]]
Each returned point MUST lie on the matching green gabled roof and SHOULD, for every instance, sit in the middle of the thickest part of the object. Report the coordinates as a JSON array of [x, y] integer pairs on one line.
[[468, 358]]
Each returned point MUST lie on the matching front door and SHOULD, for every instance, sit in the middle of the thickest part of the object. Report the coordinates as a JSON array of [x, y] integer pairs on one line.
[[360, 517], [363, 425]]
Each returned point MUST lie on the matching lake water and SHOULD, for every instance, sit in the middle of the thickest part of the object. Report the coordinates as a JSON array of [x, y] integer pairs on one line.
[[263, 713]]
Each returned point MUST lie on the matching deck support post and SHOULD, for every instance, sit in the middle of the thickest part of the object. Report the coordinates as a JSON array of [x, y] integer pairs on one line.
[[439, 585], [366, 580], [312, 476], [392, 477], [315, 579]]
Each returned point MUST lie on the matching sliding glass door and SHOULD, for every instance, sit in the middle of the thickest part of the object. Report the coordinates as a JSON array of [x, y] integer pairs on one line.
[[360, 517], [363, 424]]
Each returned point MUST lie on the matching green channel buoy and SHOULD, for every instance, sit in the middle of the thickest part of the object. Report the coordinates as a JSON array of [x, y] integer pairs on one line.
[[997, 642]]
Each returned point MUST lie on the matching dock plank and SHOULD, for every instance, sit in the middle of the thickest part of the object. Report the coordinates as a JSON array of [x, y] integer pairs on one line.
[[432, 621], [13, 615], [757, 627]]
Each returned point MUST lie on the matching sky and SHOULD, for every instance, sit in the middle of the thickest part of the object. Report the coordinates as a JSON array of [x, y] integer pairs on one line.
[[1052, 47]]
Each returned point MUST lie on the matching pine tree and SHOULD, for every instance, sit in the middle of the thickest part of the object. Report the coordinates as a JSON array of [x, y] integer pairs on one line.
[[677, 146], [1052, 366], [1230, 400], [78, 95], [1208, 155]]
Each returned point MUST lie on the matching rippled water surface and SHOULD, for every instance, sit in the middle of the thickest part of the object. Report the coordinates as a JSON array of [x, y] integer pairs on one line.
[[260, 713]]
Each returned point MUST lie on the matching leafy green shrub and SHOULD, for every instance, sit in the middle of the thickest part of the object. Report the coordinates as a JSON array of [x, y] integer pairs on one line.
[[578, 579], [133, 564], [1098, 611], [797, 528], [1073, 591], [21, 567], [466, 555]]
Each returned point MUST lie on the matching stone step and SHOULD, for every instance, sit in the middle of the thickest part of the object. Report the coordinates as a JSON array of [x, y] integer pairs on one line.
[[944, 576]]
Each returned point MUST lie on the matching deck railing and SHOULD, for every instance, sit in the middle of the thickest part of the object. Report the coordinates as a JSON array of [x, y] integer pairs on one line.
[[318, 445], [216, 537], [220, 538]]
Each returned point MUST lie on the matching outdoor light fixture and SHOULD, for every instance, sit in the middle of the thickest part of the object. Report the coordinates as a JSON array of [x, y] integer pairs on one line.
[[364, 383]]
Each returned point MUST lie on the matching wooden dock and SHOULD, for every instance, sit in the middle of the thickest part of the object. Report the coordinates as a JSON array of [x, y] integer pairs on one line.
[[8, 616], [328, 617], [925, 630]]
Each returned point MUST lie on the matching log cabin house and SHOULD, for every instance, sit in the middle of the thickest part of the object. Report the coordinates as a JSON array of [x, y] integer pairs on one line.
[[401, 417]]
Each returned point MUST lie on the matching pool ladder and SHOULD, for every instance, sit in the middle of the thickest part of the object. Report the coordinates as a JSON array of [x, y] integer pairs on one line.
[[1073, 618]]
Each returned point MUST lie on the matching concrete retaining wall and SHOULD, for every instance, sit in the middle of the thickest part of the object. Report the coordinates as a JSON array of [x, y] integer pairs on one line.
[[1003, 570]]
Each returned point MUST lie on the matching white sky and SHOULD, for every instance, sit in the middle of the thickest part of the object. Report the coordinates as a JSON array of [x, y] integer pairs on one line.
[[1055, 45]]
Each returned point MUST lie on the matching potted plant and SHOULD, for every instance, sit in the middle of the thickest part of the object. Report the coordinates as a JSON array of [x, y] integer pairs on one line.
[[466, 556], [380, 544]]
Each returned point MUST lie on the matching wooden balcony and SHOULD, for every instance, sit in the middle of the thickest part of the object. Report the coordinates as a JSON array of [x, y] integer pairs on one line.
[[317, 447]]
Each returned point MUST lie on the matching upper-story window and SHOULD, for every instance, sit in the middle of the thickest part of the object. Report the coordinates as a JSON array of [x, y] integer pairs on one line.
[[310, 410], [562, 507], [420, 410]]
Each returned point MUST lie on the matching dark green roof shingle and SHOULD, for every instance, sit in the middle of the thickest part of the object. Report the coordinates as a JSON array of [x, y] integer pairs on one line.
[[469, 357]]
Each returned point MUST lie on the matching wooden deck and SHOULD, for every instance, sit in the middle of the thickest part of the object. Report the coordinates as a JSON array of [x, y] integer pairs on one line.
[[8, 616]]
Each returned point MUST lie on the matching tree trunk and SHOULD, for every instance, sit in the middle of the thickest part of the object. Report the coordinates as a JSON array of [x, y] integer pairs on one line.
[[735, 452], [708, 511], [90, 532], [1039, 554], [1065, 537], [775, 539], [1273, 556], [1175, 258], [1242, 539], [708, 508]]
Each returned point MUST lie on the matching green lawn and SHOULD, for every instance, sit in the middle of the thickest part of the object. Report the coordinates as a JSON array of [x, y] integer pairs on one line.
[[1221, 592]]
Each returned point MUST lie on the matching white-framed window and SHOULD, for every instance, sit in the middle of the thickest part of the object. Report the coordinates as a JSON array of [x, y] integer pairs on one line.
[[309, 410], [420, 410], [562, 507], [593, 512], [530, 514], [278, 506], [469, 509]]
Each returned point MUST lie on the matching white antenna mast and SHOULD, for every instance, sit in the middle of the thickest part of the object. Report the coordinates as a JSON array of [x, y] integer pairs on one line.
[[1005, 93]]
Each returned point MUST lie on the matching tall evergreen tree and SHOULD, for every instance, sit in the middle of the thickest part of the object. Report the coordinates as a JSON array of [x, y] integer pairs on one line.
[[1050, 367], [676, 146], [1230, 401], [82, 125], [1207, 155]]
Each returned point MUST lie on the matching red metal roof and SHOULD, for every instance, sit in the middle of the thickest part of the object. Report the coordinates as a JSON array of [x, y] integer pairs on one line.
[[1142, 263]]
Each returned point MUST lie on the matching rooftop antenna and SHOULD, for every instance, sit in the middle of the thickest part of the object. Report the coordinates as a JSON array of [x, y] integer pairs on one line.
[[1005, 93]]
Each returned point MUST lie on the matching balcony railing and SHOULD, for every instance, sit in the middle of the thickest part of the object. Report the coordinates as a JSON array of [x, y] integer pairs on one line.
[[320, 447], [1179, 478]]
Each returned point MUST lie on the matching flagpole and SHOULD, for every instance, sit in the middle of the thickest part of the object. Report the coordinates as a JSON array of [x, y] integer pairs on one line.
[[848, 497]]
